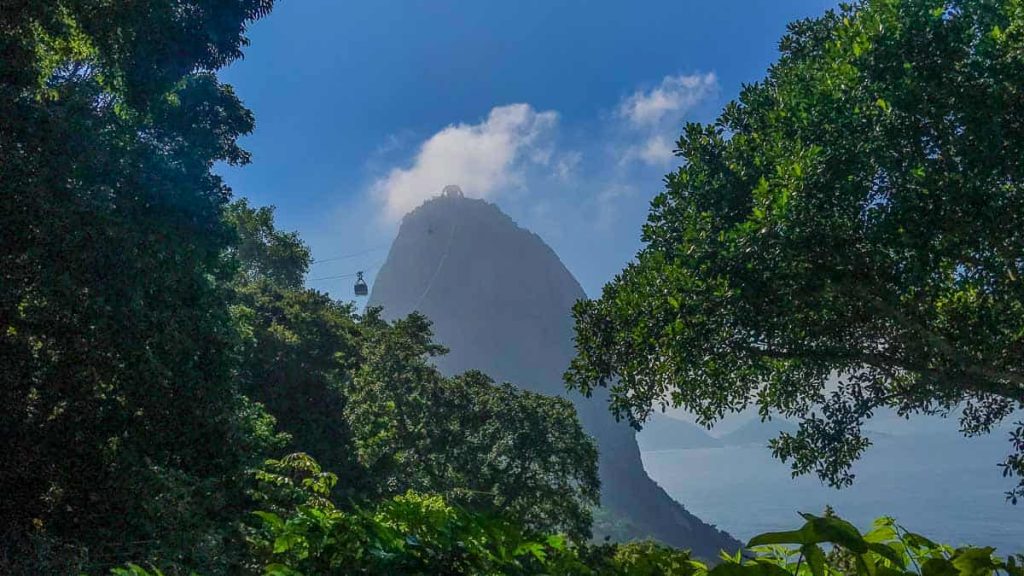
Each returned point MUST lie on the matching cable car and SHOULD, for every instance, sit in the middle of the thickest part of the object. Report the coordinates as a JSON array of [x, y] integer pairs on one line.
[[360, 287]]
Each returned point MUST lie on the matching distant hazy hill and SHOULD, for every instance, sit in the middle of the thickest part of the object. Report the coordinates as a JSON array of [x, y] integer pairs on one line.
[[663, 432], [757, 432], [500, 300]]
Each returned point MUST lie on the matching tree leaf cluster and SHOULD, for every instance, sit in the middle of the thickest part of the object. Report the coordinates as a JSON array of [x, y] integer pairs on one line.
[[119, 411], [416, 533], [156, 341], [845, 238], [887, 549]]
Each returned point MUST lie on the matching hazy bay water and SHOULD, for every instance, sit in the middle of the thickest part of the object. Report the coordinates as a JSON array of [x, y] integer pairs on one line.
[[945, 487]]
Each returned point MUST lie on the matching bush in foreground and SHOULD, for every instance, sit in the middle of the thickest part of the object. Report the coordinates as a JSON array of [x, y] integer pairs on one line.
[[302, 533]]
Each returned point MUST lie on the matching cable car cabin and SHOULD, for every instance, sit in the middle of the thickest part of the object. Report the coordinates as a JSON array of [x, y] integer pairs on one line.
[[360, 287]]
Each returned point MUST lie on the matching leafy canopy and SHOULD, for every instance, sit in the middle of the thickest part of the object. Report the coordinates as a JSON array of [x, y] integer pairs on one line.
[[299, 346], [848, 236], [484, 446], [301, 532], [116, 340], [361, 395], [830, 546], [413, 533]]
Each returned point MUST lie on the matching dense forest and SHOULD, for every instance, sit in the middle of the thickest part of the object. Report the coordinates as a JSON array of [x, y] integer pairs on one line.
[[174, 400]]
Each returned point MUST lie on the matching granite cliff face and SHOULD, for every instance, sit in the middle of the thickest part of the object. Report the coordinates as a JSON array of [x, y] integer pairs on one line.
[[500, 299]]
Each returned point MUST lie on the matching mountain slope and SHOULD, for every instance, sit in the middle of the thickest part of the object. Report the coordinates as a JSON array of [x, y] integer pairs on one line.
[[757, 432], [663, 432], [500, 299]]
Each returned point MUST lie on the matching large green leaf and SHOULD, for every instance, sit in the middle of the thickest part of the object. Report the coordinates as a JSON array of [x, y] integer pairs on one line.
[[815, 558], [748, 569], [919, 542], [270, 519], [888, 553], [828, 529], [975, 561], [278, 569], [938, 567], [287, 541], [800, 536]]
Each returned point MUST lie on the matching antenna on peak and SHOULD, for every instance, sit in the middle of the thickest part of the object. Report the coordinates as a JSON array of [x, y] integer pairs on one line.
[[452, 191]]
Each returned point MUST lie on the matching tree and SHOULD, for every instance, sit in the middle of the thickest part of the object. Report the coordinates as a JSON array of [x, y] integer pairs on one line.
[[300, 347], [262, 252], [116, 339], [848, 236], [359, 395], [484, 446], [302, 532]]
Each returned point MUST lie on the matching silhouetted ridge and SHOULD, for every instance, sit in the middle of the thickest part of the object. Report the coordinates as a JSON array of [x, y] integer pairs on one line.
[[500, 299], [663, 432]]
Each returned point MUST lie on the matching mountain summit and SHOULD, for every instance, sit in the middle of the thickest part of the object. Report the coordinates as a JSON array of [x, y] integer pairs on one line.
[[500, 300]]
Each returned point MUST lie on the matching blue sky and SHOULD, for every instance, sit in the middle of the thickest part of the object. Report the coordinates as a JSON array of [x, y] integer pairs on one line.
[[561, 112]]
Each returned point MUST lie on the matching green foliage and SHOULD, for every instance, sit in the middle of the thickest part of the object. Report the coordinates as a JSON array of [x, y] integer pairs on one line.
[[156, 340], [856, 217], [135, 570], [480, 445], [406, 534], [137, 51], [647, 558], [264, 253], [414, 533], [887, 550], [116, 338], [418, 534], [360, 395], [300, 355], [300, 347]]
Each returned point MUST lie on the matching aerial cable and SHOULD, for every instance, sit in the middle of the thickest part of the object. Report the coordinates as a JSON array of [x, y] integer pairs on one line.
[[335, 277], [440, 264], [350, 255], [340, 276]]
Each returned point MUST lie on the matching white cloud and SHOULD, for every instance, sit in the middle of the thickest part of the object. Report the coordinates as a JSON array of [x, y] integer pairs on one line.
[[481, 158], [675, 96], [656, 150], [650, 116], [517, 153]]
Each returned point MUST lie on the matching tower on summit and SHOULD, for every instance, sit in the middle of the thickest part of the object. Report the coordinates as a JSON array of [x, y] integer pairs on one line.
[[452, 191]]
